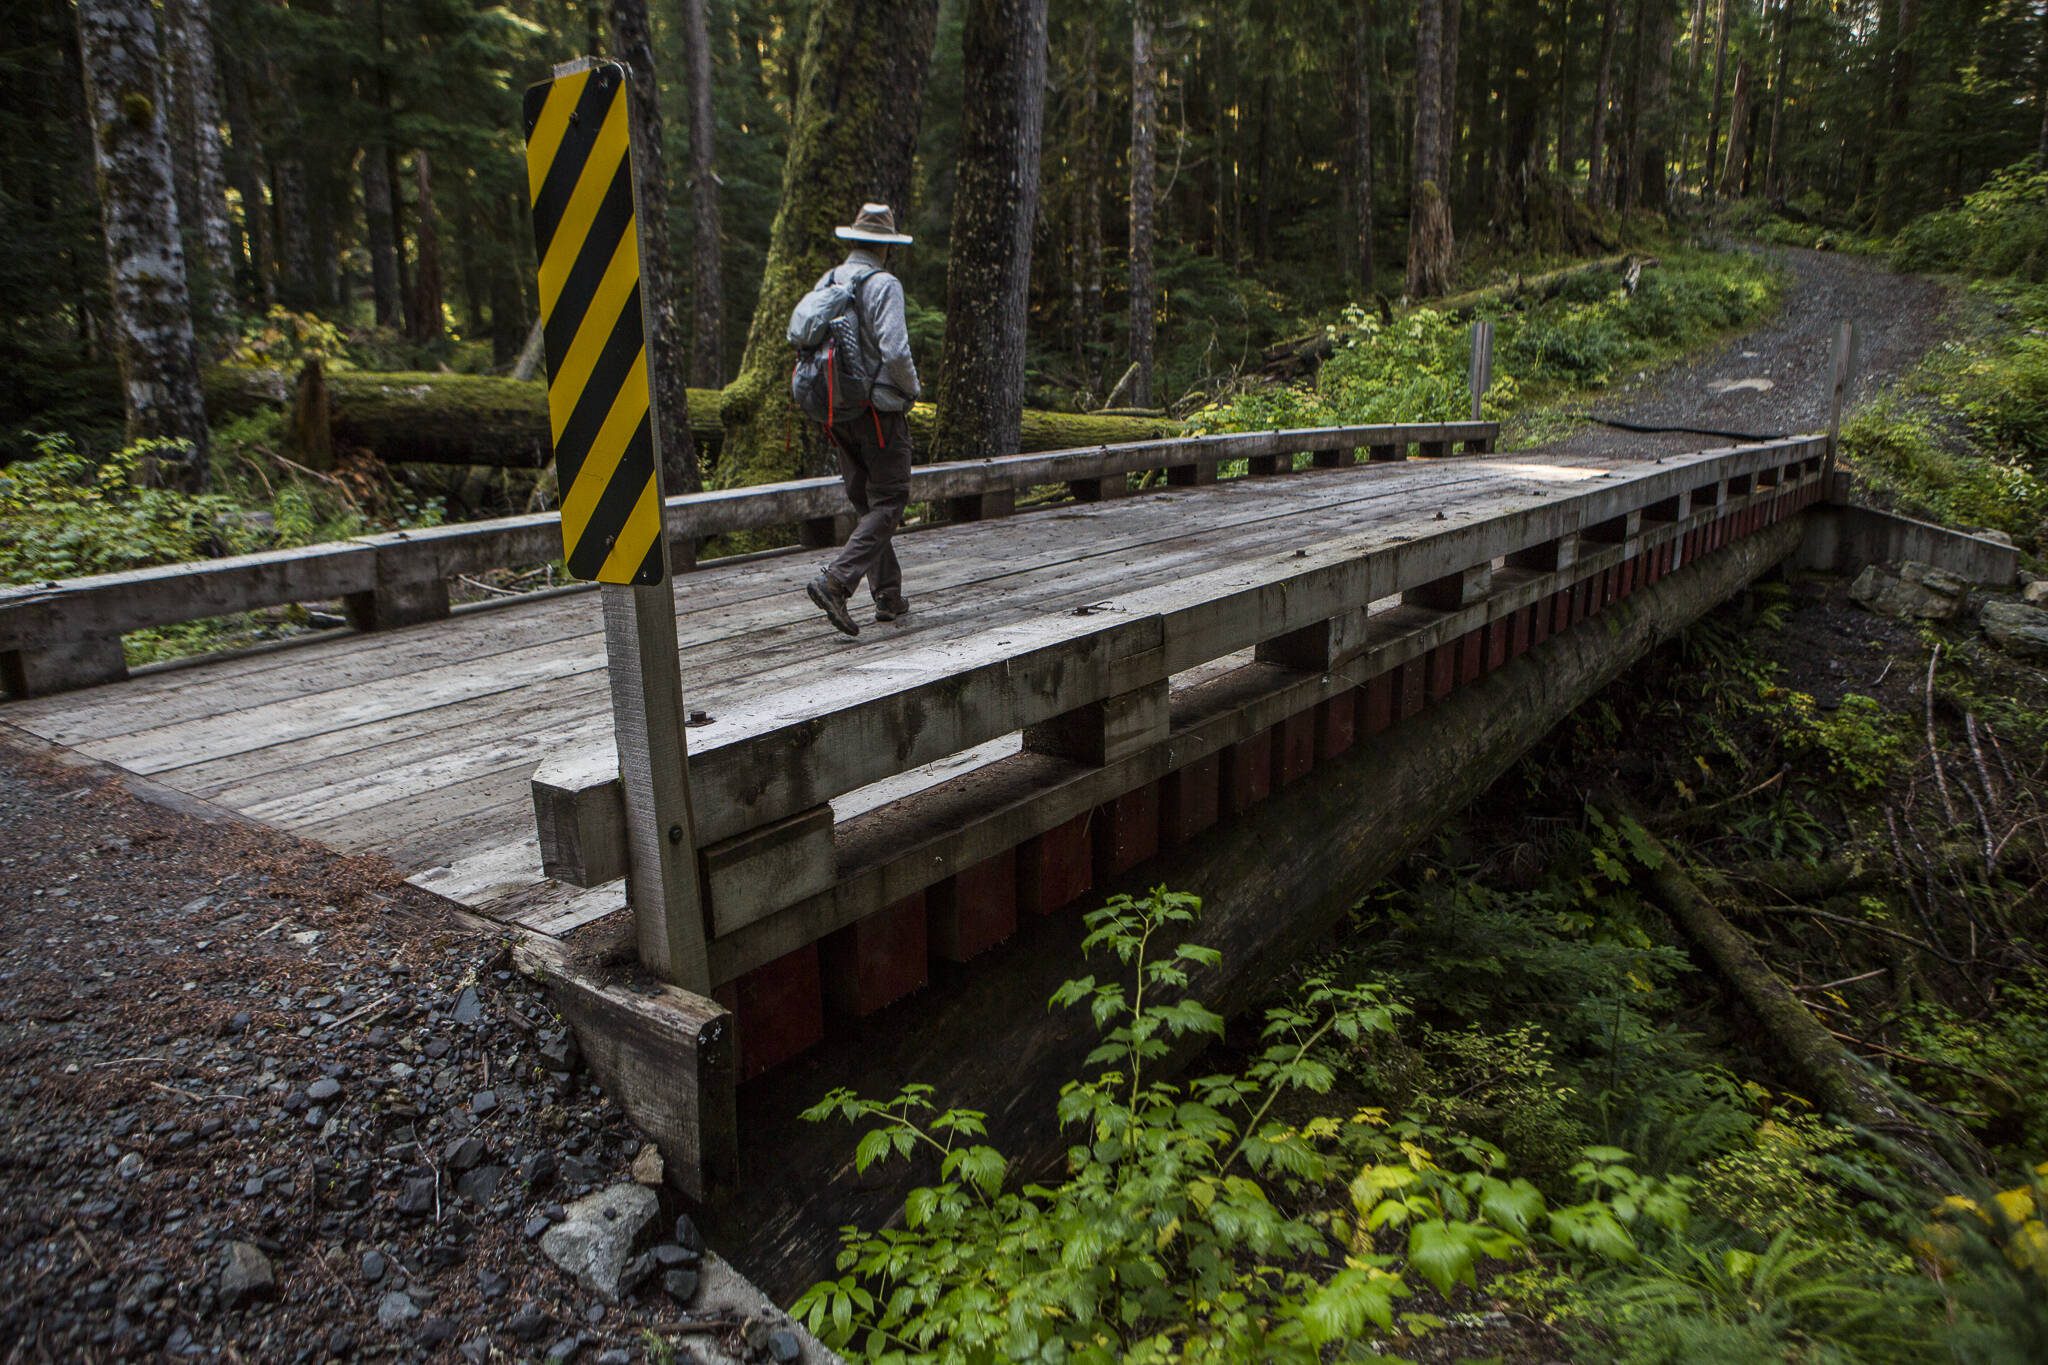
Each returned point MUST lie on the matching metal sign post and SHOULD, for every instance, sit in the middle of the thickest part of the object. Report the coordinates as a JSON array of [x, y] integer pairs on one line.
[[1842, 370], [607, 439], [1482, 363]]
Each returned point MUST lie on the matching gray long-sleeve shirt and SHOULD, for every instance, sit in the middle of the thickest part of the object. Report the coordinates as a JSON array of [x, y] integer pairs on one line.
[[886, 335]]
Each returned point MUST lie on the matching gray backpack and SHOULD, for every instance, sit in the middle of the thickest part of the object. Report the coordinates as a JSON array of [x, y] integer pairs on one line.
[[832, 379]]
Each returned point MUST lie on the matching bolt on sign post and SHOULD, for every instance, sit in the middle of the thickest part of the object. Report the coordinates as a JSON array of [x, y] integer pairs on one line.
[[1482, 363], [607, 439], [1842, 371]]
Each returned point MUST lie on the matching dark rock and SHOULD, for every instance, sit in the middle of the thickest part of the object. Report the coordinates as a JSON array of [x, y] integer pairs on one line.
[[559, 1052], [617, 1355], [436, 1331], [480, 1186], [475, 1351], [374, 1266], [240, 1022], [783, 1347], [491, 1284], [687, 1236], [527, 1323], [538, 1169], [536, 1225], [245, 1274], [395, 1310], [680, 1285], [638, 1271], [323, 1090], [567, 1349], [468, 1009], [417, 1196], [483, 1102], [463, 1153], [669, 1255]]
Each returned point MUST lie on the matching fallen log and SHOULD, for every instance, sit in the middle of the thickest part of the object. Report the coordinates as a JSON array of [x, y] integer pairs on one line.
[[462, 419], [1832, 1077], [1300, 357]]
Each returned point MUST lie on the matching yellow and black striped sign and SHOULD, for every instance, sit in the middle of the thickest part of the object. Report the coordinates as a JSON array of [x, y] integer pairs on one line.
[[579, 172]]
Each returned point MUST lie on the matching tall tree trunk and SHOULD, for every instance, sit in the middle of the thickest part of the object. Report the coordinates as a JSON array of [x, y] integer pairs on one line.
[[244, 167], [1361, 145], [152, 312], [1144, 172], [1566, 73], [381, 230], [1447, 107], [668, 373], [425, 314], [1891, 208], [1654, 126], [1771, 175], [295, 288], [707, 303], [1429, 219], [1603, 95], [988, 278], [1738, 133], [1714, 111], [380, 217], [860, 87], [202, 186]]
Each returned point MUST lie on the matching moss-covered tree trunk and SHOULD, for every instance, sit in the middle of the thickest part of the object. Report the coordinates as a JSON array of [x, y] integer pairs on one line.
[[860, 88], [988, 275], [1429, 217], [667, 369], [152, 312], [202, 185]]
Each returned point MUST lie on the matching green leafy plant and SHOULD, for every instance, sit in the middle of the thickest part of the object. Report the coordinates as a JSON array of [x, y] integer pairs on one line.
[[1205, 1219]]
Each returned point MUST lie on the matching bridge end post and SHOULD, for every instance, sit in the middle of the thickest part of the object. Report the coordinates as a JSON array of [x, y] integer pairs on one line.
[[62, 665], [666, 1054]]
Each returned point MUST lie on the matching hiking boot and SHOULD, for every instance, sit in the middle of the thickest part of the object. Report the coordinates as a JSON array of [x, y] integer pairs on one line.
[[891, 606], [831, 600]]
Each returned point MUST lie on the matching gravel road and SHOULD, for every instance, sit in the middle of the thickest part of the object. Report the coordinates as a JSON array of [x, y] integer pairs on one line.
[[260, 1102], [1774, 380]]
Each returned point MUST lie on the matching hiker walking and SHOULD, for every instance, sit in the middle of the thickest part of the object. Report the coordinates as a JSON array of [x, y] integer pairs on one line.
[[855, 378]]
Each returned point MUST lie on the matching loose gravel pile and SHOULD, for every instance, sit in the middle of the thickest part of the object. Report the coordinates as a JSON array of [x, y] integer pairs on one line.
[[265, 1103]]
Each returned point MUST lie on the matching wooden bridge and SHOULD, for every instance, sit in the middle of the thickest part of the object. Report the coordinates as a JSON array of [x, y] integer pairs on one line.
[[1117, 657]]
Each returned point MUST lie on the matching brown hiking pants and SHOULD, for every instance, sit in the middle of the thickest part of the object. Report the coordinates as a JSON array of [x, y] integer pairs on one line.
[[873, 450]]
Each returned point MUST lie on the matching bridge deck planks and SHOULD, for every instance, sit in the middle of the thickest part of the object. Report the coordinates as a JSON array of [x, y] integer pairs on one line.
[[418, 743]]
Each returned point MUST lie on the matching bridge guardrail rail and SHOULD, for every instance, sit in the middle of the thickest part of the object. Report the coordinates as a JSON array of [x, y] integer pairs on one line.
[[67, 633]]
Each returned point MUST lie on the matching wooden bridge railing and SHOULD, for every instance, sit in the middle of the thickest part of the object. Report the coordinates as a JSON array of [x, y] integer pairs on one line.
[[1090, 692], [66, 634]]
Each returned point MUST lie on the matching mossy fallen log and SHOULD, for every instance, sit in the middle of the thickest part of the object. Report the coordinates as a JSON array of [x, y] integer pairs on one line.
[[461, 419]]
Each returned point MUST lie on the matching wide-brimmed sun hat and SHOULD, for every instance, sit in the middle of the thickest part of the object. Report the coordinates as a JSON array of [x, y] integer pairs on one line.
[[876, 223]]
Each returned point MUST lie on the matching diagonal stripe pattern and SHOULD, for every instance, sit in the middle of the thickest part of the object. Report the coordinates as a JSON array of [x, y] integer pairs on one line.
[[579, 175]]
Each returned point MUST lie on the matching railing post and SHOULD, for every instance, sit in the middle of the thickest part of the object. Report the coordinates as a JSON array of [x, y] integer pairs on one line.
[[1842, 369], [1101, 732], [1481, 377]]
